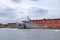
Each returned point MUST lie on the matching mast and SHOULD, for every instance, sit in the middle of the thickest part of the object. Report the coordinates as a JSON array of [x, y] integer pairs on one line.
[[28, 18]]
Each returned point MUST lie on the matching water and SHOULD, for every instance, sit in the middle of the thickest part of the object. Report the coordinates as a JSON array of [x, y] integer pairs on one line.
[[28, 34]]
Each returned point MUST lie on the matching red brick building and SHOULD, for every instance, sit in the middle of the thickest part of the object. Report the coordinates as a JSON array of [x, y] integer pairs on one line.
[[51, 23]]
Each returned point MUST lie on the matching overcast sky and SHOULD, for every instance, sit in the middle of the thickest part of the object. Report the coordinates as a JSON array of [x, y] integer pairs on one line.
[[18, 10]]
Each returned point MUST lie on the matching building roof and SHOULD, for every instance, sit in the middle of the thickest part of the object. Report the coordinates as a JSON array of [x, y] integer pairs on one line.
[[44, 19]]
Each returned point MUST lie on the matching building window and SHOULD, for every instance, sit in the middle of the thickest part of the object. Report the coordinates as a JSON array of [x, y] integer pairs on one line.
[[55, 22]]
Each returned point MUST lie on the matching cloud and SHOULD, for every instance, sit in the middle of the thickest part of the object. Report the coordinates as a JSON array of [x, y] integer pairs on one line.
[[8, 13], [38, 12], [35, 9], [16, 1], [34, 0]]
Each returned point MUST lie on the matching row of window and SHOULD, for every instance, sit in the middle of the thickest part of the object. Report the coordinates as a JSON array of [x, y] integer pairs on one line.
[[47, 22]]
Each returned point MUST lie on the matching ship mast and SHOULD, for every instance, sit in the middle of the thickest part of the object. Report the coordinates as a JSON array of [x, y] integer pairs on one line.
[[28, 18]]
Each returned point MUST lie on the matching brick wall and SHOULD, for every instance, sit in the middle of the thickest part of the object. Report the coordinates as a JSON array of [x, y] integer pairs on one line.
[[47, 22]]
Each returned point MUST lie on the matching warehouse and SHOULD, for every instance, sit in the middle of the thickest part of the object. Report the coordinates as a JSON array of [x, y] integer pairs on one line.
[[51, 23]]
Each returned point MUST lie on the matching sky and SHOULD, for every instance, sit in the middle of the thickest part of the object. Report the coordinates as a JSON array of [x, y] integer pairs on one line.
[[18, 10]]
